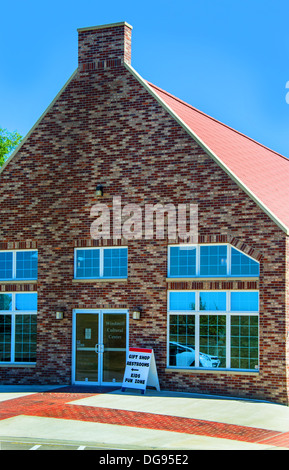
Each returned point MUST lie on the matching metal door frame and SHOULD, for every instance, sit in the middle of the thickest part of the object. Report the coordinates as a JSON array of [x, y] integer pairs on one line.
[[99, 312]]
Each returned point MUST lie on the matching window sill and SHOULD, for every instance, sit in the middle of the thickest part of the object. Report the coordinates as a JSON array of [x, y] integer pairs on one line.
[[18, 365], [221, 278], [17, 281], [214, 371], [113, 279]]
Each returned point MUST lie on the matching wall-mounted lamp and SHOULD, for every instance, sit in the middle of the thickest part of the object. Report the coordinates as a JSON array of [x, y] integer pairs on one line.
[[136, 314], [59, 313], [99, 190]]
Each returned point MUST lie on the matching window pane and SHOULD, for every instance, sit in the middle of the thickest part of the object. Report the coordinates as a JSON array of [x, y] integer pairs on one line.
[[87, 263], [182, 340], [5, 338], [115, 262], [6, 264], [26, 264], [213, 260], [182, 261], [212, 341], [5, 301], [25, 338], [244, 342], [26, 301], [242, 265], [182, 300], [244, 301], [213, 301]]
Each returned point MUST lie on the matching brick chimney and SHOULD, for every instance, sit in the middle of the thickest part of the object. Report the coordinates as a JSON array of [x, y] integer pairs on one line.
[[106, 46]]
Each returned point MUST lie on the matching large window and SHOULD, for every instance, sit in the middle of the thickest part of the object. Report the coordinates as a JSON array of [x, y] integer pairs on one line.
[[18, 265], [95, 263], [18, 322], [213, 329], [209, 261]]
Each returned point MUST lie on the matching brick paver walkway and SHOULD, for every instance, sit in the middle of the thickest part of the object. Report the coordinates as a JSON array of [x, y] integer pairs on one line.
[[56, 405]]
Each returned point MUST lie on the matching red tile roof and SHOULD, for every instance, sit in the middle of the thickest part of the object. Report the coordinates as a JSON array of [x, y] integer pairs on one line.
[[262, 171]]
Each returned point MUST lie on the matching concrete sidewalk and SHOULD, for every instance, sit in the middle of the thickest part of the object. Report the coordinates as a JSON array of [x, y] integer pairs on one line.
[[129, 420]]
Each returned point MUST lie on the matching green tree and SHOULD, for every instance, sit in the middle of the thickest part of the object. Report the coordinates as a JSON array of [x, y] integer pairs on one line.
[[8, 142]]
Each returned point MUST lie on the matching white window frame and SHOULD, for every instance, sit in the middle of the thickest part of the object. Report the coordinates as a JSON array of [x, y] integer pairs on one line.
[[198, 261], [197, 313], [101, 262], [14, 278], [13, 312]]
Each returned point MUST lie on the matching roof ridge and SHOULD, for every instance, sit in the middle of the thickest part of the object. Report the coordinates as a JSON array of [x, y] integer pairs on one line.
[[216, 120]]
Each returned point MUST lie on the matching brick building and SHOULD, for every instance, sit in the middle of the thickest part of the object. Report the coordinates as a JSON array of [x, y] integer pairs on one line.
[[214, 308]]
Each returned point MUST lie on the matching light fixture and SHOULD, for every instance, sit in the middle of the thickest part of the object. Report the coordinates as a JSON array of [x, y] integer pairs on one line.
[[136, 313], [59, 313], [99, 190]]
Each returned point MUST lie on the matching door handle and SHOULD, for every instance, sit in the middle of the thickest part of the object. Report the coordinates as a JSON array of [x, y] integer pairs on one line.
[[99, 348], [96, 348]]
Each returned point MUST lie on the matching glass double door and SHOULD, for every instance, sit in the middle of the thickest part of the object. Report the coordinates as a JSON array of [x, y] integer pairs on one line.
[[100, 339]]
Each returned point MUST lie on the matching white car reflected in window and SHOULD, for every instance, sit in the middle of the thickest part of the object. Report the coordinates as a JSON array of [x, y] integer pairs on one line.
[[184, 356]]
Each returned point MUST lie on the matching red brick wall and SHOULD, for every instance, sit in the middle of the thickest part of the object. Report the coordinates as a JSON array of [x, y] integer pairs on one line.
[[105, 128], [104, 46]]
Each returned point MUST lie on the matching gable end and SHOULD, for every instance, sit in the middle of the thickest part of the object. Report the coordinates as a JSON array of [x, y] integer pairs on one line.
[[209, 152]]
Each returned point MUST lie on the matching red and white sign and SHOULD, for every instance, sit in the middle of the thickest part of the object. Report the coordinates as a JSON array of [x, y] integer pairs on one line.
[[140, 370]]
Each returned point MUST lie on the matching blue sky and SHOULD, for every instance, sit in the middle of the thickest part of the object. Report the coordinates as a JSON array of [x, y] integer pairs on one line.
[[228, 58]]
